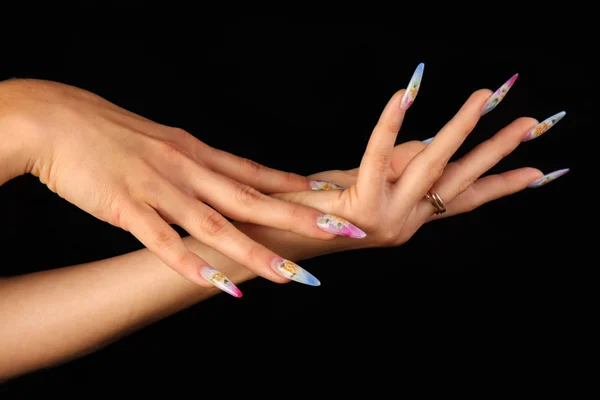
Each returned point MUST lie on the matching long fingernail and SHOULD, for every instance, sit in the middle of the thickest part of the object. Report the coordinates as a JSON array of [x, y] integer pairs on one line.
[[543, 126], [498, 95], [324, 185], [221, 281], [427, 141], [548, 178], [413, 88], [293, 271], [339, 226]]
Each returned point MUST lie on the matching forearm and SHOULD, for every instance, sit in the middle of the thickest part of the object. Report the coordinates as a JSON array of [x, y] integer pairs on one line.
[[53, 316]]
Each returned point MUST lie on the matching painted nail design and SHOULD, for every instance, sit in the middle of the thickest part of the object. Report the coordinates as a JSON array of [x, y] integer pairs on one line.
[[498, 95], [413, 88], [543, 126], [339, 226], [548, 178], [293, 271], [427, 141], [324, 185], [219, 280]]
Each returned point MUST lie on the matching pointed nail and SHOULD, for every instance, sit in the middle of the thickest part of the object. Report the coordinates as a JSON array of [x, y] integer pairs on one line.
[[293, 271], [498, 95], [543, 126], [413, 88], [221, 281], [324, 185], [339, 226], [427, 141], [548, 178]]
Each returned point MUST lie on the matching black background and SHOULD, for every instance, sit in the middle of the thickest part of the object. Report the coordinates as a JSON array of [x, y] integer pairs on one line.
[[304, 98]]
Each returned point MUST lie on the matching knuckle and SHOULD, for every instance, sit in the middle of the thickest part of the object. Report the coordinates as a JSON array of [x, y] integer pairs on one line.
[[252, 166], [436, 169], [163, 239], [246, 195], [179, 133], [389, 237], [168, 151], [213, 224], [380, 161], [253, 252]]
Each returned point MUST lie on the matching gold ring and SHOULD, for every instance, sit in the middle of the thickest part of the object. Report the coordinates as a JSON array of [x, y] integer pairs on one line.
[[436, 202]]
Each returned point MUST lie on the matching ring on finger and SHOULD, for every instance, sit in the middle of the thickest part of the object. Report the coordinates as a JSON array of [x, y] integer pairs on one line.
[[436, 201]]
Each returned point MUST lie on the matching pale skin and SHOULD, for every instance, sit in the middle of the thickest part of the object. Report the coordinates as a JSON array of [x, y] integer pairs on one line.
[[44, 324]]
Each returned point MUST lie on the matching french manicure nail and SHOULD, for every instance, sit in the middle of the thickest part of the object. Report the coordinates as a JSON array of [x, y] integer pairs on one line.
[[221, 281], [339, 226], [413, 88], [548, 178], [498, 95], [543, 126], [427, 141], [293, 271], [324, 185]]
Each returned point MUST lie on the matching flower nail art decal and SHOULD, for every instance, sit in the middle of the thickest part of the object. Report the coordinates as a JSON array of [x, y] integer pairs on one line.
[[427, 141], [293, 271], [219, 280], [498, 95], [548, 178], [543, 126], [324, 185], [413, 88], [339, 226]]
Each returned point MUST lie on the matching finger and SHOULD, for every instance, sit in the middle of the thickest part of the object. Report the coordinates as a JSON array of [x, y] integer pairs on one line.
[[251, 173], [490, 188], [211, 228], [245, 204], [375, 163], [427, 166], [376, 160], [161, 239], [461, 174]]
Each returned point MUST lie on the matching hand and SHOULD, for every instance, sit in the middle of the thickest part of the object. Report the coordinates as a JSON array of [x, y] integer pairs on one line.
[[386, 195], [142, 176]]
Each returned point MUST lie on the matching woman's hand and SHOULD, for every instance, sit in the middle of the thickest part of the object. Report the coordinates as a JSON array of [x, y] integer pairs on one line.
[[386, 195], [141, 176]]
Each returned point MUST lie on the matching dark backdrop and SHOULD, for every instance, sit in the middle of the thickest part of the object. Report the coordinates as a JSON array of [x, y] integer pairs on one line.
[[304, 98]]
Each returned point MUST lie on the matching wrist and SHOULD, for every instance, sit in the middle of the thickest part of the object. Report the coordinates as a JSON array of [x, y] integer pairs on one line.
[[18, 142]]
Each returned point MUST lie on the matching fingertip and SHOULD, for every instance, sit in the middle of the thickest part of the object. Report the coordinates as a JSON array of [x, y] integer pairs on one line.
[[482, 94]]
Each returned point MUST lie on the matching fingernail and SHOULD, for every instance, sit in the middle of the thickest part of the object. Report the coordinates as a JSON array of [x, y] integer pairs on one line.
[[339, 226], [427, 141], [413, 88], [548, 178], [324, 185], [498, 95], [221, 281], [293, 271], [543, 126]]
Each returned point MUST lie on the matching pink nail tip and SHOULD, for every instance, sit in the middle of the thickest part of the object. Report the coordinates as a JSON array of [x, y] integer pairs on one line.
[[221, 281], [339, 226], [498, 96], [548, 178]]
